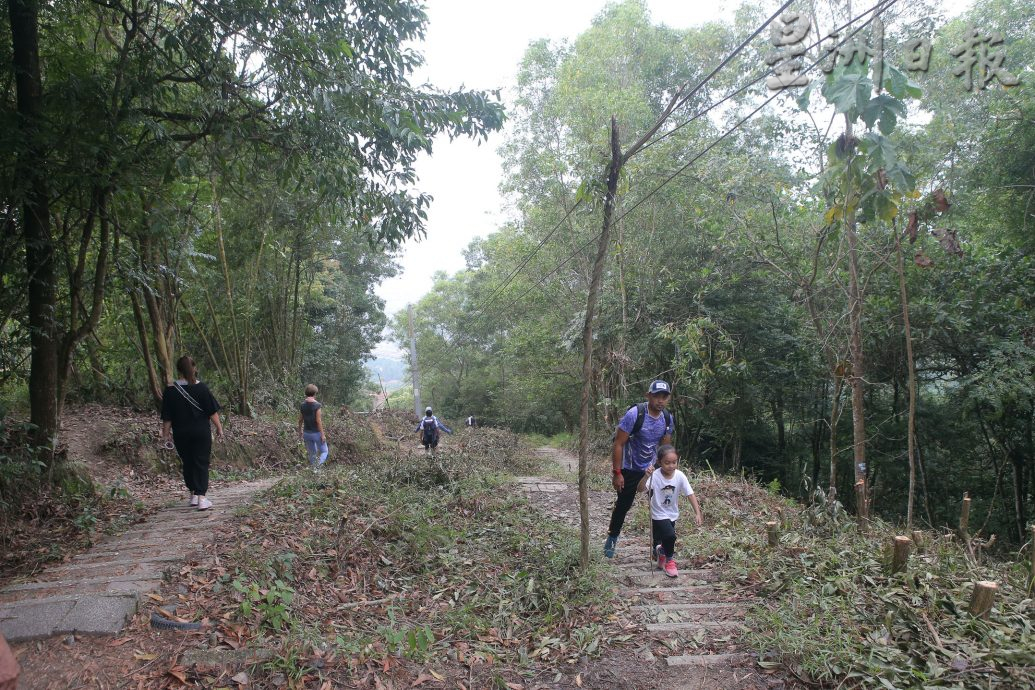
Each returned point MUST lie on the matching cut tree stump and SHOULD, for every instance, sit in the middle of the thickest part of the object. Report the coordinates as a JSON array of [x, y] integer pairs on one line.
[[773, 532], [900, 557], [982, 598]]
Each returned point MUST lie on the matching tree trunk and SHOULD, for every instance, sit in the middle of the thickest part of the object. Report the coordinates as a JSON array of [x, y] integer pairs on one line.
[[856, 378], [613, 171], [911, 364], [835, 417], [39, 245]]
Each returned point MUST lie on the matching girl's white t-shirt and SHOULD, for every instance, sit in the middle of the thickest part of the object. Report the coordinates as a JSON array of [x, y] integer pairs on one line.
[[665, 493]]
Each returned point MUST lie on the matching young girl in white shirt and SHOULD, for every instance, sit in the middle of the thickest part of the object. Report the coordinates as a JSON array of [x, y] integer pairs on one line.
[[664, 484]]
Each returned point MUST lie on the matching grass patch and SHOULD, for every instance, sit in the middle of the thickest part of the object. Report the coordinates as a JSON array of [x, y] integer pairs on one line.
[[834, 613], [424, 562]]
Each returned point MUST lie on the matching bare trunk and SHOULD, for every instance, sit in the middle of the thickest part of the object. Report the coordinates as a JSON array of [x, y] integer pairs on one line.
[[39, 245], [911, 364], [856, 379], [613, 171], [835, 418]]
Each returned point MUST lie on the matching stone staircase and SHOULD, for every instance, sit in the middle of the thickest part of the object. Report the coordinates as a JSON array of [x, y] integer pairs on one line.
[[96, 592]]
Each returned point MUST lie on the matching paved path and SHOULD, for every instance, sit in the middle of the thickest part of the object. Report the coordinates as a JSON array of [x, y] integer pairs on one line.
[[691, 623], [97, 591]]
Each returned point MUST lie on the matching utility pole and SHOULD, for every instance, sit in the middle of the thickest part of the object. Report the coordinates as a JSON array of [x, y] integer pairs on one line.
[[414, 371]]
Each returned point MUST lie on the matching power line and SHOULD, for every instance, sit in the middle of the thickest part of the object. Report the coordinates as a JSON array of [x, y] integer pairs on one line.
[[876, 10], [682, 101]]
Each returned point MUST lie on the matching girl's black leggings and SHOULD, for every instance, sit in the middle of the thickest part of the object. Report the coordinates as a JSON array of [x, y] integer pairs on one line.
[[195, 451], [665, 534]]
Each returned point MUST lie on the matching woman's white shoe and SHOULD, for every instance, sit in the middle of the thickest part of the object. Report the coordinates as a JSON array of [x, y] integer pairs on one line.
[[204, 503]]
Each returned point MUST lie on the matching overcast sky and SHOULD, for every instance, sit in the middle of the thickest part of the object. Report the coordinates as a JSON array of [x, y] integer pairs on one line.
[[479, 45]]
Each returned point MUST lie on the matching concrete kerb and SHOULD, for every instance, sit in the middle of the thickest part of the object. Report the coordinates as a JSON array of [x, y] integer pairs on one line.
[[88, 615]]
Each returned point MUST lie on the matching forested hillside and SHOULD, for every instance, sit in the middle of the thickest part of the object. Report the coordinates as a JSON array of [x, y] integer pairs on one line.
[[769, 273]]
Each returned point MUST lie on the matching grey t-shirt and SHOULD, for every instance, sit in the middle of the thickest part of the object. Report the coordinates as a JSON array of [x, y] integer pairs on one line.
[[309, 415]]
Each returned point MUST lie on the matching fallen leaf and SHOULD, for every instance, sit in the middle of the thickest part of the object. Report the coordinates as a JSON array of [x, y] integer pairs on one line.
[[140, 656], [241, 678], [438, 676], [178, 673]]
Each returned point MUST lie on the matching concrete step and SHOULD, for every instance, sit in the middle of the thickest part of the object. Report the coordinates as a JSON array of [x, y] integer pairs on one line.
[[62, 615], [713, 607], [707, 660], [656, 578], [101, 585], [693, 626]]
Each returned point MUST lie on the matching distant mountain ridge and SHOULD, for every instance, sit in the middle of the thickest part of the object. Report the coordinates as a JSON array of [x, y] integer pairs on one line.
[[391, 370]]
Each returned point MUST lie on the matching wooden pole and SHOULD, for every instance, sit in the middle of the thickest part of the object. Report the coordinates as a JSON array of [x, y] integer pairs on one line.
[[860, 502], [782, 518], [918, 538], [1032, 554], [982, 598], [900, 556], [964, 515], [773, 532]]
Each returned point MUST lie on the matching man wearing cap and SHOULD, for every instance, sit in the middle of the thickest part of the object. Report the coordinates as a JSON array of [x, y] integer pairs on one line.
[[641, 430], [428, 430]]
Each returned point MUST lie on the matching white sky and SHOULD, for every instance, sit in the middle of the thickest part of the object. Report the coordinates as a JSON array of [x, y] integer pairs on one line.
[[479, 45]]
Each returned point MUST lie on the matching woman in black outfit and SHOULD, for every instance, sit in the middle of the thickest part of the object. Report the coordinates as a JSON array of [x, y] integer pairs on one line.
[[187, 408]]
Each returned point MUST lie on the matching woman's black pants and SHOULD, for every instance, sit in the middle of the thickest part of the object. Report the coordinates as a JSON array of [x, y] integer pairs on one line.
[[195, 451]]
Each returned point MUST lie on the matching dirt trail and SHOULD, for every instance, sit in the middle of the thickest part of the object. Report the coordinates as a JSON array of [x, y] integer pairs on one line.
[[688, 628]]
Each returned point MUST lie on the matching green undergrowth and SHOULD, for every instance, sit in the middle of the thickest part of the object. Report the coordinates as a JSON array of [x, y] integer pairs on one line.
[[426, 563], [835, 614]]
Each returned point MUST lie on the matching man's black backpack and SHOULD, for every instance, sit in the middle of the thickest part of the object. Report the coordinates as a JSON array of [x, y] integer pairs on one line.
[[429, 429], [641, 413]]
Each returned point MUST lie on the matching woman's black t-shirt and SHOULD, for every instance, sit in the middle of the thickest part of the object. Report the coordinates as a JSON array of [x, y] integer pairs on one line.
[[184, 416]]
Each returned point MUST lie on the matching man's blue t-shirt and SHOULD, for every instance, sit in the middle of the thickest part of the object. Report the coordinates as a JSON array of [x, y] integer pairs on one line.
[[642, 449]]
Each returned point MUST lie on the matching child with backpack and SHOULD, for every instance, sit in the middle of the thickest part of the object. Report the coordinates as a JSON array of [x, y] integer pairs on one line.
[[428, 429], [664, 485]]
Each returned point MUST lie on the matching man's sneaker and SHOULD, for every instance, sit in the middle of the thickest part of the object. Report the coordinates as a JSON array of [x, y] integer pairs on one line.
[[205, 504], [670, 568], [660, 557], [609, 546], [194, 500]]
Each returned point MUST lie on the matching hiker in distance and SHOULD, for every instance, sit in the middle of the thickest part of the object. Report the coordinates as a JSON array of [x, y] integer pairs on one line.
[[428, 429], [187, 409], [664, 485], [643, 428], [310, 427]]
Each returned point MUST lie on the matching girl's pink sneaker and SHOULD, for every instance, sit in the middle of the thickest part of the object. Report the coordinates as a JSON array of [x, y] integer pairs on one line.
[[670, 568]]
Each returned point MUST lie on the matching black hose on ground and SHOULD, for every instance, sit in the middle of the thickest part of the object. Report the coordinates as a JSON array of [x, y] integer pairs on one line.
[[166, 624]]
